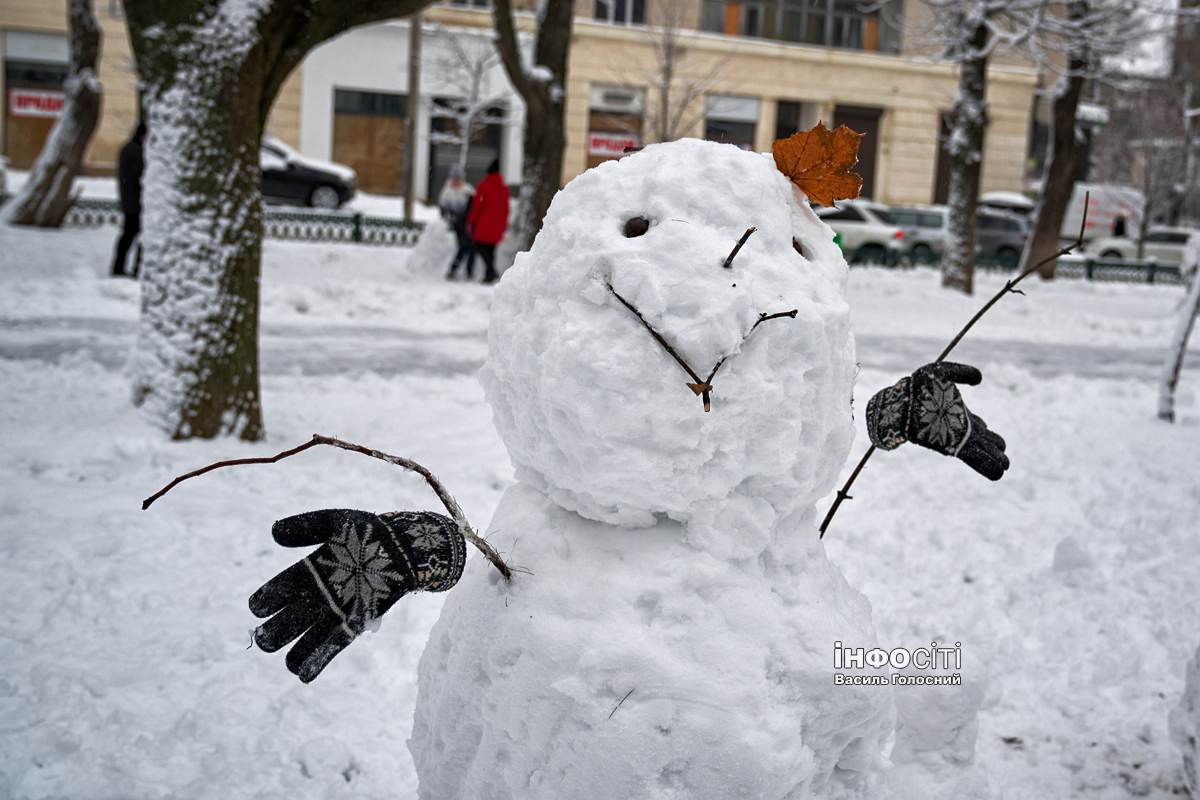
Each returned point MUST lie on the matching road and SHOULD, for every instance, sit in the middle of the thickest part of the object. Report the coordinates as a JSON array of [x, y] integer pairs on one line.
[[331, 349]]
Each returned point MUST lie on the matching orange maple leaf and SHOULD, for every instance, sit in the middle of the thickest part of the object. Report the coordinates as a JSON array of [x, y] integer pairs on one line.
[[819, 162]]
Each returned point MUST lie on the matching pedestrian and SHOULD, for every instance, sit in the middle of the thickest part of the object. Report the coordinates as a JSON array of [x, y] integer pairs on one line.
[[488, 218], [455, 201], [1119, 226], [129, 183]]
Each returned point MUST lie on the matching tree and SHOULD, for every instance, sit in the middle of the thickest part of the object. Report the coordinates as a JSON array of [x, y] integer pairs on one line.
[[464, 62], [1188, 312], [1091, 33], [1145, 145], [968, 32], [542, 86], [46, 197], [675, 87], [209, 72]]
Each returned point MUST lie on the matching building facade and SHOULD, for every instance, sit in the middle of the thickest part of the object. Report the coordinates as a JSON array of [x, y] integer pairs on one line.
[[745, 72]]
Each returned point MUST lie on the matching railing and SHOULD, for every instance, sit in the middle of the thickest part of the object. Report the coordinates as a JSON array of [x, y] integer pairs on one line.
[[311, 226], [357, 228], [297, 225], [1090, 268], [1130, 271]]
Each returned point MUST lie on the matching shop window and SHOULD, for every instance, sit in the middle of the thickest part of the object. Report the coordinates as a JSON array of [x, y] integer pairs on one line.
[[792, 117], [35, 68], [615, 122], [445, 142], [368, 135], [731, 119]]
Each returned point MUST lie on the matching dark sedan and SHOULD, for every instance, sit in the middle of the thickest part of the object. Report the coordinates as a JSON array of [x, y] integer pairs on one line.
[[294, 179]]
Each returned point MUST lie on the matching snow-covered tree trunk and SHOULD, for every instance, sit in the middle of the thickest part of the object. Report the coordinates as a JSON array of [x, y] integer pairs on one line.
[[1184, 723], [543, 87], [1183, 329], [210, 70], [1058, 182], [46, 197], [966, 151]]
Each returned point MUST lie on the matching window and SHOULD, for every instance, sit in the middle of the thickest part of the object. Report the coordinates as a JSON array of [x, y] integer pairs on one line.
[[621, 12], [35, 68], [916, 219], [731, 119], [377, 104], [446, 135], [614, 122], [848, 24], [472, 3], [1167, 237], [368, 136], [846, 214], [791, 117]]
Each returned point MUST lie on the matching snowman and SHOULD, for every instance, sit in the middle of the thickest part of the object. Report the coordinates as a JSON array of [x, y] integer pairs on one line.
[[670, 367]]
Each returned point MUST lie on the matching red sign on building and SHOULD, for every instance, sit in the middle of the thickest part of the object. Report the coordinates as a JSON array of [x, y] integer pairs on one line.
[[610, 144], [34, 103]]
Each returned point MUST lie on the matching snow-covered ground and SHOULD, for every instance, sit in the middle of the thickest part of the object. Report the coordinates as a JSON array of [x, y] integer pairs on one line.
[[124, 668]]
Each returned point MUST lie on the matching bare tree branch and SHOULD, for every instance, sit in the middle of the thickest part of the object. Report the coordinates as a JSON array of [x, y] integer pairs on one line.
[[1009, 287], [452, 507]]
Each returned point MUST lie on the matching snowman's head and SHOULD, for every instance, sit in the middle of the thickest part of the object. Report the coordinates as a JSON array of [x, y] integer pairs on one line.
[[625, 299]]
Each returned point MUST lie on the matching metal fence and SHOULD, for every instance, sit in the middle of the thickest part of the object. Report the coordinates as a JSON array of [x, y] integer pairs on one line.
[[308, 226], [1091, 269], [312, 226]]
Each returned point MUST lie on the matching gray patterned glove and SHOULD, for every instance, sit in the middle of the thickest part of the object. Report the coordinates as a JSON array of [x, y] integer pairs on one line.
[[927, 409], [365, 564]]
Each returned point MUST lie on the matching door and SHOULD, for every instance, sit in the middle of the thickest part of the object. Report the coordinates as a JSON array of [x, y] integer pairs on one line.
[[368, 135], [865, 120]]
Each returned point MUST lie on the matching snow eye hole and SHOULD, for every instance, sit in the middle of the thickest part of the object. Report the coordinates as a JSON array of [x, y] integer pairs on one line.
[[636, 226]]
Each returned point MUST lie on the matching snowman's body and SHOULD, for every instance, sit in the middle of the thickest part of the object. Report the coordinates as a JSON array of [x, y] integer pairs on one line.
[[673, 636]]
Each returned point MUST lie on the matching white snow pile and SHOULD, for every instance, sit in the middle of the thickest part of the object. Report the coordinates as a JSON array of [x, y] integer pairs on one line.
[[933, 753], [434, 249], [672, 634], [124, 671]]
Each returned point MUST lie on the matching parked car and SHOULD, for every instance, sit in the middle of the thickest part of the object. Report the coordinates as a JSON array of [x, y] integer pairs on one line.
[[294, 179], [1162, 244], [924, 229], [1001, 234], [866, 228], [1012, 202], [997, 233]]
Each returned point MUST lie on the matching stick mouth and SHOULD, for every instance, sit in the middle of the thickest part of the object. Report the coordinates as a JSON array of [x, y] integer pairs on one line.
[[701, 387]]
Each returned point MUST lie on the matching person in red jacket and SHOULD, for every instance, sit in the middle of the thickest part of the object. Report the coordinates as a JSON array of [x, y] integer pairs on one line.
[[488, 218]]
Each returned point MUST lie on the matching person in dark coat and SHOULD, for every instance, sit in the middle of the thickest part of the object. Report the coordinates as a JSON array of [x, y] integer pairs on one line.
[[129, 182], [454, 202], [488, 218]]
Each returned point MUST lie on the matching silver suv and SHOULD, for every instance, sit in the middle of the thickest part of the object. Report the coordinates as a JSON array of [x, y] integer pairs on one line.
[[998, 234]]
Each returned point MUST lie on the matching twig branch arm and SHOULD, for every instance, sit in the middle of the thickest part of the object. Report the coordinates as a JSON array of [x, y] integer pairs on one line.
[[1009, 286], [451, 505]]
